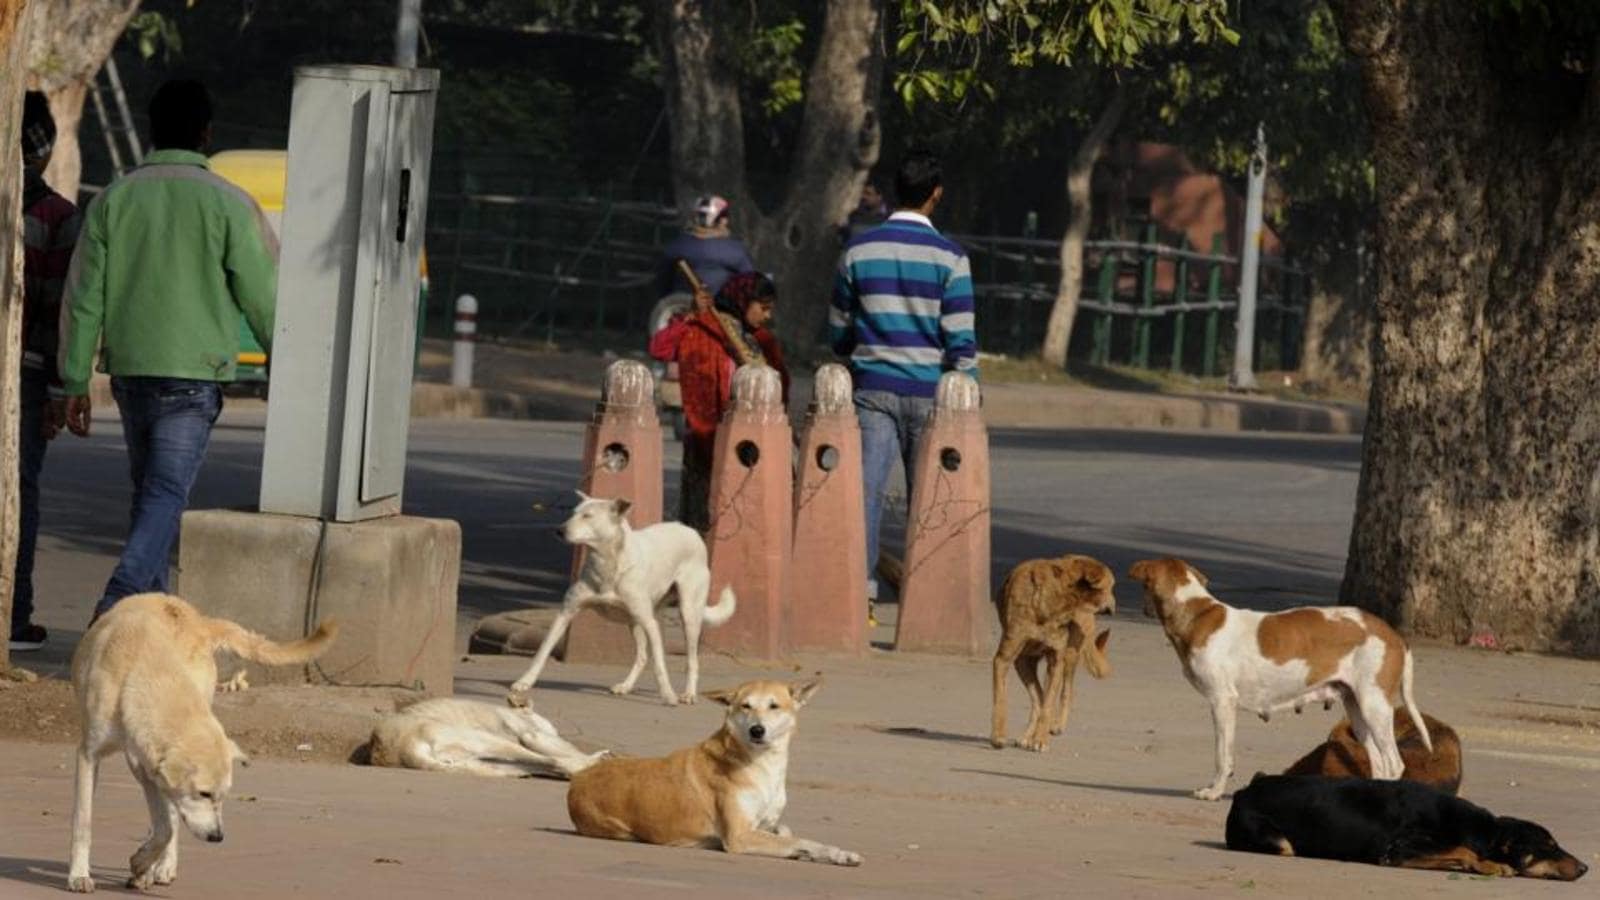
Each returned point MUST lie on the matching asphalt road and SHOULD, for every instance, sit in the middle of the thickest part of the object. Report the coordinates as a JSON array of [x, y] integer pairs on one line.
[[1266, 516]]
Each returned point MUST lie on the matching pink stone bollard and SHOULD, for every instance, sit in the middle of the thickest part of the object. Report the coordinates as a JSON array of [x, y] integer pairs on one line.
[[828, 607], [621, 458], [752, 490], [944, 601]]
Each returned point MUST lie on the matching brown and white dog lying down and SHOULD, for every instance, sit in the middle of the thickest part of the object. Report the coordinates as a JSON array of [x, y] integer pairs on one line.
[[452, 734], [1342, 756], [1267, 662], [727, 791], [1047, 609]]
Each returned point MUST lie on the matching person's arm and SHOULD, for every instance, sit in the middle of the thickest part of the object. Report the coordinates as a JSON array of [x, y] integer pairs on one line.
[[841, 311], [957, 331], [83, 310], [250, 258]]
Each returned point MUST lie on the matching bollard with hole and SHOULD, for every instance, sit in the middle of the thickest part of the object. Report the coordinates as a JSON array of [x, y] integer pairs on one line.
[[828, 607], [752, 489], [944, 600], [621, 458], [466, 339]]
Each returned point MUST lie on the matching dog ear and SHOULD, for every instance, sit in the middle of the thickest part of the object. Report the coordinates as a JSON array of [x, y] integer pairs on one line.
[[1198, 575], [725, 697], [582, 497], [239, 756], [801, 691], [621, 506], [174, 770], [1140, 571], [1088, 573]]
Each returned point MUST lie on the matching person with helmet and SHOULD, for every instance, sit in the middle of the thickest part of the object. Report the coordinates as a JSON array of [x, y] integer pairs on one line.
[[716, 341], [51, 230], [709, 249]]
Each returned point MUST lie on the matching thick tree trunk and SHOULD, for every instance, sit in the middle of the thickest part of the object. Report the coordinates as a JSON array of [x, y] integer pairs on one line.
[[13, 19], [1479, 501], [68, 42], [1058, 330], [838, 144]]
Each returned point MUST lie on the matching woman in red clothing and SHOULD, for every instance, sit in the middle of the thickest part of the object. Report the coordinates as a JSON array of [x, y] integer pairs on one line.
[[713, 342]]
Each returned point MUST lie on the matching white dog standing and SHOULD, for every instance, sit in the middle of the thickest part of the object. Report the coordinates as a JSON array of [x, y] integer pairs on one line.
[[626, 576]]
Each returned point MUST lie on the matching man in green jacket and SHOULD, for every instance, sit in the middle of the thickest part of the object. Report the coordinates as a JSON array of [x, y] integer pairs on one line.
[[169, 256]]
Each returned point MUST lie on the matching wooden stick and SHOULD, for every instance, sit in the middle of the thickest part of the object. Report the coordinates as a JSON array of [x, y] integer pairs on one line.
[[694, 283]]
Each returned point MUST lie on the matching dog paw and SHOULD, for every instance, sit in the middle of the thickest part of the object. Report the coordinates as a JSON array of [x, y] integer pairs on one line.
[[239, 682], [517, 699], [843, 857], [1208, 793], [1033, 744], [669, 698], [998, 741], [80, 884], [689, 699], [621, 688], [1500, 870]]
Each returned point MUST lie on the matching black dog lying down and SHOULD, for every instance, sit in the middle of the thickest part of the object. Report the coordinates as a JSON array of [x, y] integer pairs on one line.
[[1390, 823]]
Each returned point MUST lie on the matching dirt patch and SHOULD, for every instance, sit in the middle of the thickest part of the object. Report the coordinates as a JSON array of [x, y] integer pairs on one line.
[[318, 724]]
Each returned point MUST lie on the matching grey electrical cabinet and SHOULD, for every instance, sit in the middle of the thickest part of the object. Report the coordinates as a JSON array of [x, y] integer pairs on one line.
[[360, 140]]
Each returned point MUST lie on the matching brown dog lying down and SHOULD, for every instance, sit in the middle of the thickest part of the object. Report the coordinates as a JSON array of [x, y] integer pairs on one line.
[[1342, 756], [1047, 609]]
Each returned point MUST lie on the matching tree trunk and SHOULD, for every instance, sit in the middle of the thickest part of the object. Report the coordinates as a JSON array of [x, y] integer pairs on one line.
[[13, 21], [1058, 331], [68, 43], [65, 172], [837, 145], [1479, 501]]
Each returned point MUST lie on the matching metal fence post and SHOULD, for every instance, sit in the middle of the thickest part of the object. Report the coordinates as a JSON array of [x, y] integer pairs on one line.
[[461, 352], [1180, 296], [1107, 291], [1147, 297], [1243, 375], [1208, 367]]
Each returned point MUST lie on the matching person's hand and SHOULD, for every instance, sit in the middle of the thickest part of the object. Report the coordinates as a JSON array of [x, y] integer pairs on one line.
[[702, 300], [78, 408], [54, 418]]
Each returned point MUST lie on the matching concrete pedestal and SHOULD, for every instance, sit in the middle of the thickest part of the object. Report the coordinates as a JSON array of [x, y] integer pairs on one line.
[[752, 516], [945, 605], [828, 607], [621, 458], [390, 582]]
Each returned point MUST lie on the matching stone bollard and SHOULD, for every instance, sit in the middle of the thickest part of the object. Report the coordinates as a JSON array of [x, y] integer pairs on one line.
[[944, 601], [752, 491], [828, 607], [621, 458]]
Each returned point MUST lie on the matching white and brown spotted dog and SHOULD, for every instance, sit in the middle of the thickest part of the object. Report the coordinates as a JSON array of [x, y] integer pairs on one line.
[[1266, 662]]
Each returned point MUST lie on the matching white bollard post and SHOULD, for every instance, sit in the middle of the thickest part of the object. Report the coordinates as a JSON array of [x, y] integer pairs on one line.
[[466, 337]]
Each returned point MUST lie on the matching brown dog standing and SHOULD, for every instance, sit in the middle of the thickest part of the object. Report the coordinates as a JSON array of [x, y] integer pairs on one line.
[[1342, 756], [1047, 609]]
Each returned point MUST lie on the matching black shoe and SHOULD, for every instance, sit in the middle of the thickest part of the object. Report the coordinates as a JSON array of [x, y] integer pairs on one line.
[[26, 638]]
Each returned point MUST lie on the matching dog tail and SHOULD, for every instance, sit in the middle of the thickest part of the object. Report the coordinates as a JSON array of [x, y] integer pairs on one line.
[[1410, 701], [249, 645], [723, 611]]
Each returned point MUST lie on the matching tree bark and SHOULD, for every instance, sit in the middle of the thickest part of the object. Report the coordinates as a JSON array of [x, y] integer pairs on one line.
[[1479, 501], [13, 33], [838, 144], [68, 42], [1058, 330]]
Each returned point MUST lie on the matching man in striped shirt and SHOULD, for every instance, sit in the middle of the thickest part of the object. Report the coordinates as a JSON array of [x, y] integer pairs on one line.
[[902, 313]]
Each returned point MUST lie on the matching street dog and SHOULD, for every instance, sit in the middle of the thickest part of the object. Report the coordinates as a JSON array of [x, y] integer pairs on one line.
[[727, 791], [1267, 662], [1390, 823], [449, 734], [144, 676], [1047, 613], [1342, 756], [626, 576]]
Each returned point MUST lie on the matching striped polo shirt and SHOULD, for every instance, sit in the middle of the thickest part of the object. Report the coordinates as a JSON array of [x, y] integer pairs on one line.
[[902, 307]]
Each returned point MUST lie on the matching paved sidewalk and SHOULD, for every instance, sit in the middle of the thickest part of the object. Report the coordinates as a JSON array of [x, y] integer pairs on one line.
[[891, 761]]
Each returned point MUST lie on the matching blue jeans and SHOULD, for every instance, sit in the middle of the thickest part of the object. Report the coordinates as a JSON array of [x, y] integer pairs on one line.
[[166, 423], [891, 425], [30, 457]]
